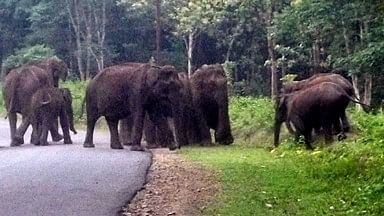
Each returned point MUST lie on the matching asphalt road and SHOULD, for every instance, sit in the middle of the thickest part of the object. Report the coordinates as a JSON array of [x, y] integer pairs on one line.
[[68, 180]]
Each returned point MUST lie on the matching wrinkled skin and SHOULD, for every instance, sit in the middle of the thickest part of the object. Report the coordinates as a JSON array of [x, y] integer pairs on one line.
[[318, 106], [210, 99], [18, 87], [317, 79], [123, 90], [47, 105]]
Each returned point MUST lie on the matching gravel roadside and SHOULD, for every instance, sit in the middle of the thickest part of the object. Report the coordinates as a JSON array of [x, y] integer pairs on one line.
[[174, 187]]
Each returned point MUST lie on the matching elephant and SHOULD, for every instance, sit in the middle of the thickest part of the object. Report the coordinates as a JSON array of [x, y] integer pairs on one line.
[[317, 106], [122, 90], [320, 78], [21, 83], [189, 130], [47, 105], [153, 136], [210, 101]]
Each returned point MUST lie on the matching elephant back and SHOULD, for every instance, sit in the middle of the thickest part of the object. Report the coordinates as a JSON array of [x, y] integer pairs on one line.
[[20, 84]]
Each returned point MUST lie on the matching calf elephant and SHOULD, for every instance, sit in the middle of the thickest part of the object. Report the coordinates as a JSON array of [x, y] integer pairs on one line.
[[46, 106], [318, 106], [123, 90], [18, 87], [210, 100]]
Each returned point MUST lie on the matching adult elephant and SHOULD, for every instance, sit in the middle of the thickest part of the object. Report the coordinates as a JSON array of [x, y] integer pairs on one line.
[[320, 78], [122, 90], [189, 127], [18, 87], [210, 100], [318, 106], [47, 105]]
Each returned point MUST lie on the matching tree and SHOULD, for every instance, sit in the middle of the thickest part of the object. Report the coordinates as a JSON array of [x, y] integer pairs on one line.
[[195, 16]]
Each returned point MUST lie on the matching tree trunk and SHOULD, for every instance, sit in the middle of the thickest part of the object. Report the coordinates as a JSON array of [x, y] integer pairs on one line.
[[100, 21], [190, 52], [316, 55], [355, 80], [368, 89], [367, 76], [74, 17], [271, 46], [158, 31]]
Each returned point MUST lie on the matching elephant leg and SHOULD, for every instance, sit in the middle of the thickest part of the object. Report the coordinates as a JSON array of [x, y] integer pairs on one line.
[[44, 131], [12, 117], [138, 124], [113, 129], [203, 128], [35, 133], [345, 122], [327, 127], [54, 129], [125, 130], [164, 133], [19, 134], [64, 123], [91, 121], [150, 133], [308, 138], [223, 133]]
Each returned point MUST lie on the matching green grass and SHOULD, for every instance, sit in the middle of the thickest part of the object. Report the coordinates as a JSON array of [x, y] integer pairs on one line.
[[342, 179]]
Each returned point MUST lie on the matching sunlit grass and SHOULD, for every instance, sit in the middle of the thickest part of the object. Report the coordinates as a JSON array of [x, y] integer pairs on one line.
[[341, 179]]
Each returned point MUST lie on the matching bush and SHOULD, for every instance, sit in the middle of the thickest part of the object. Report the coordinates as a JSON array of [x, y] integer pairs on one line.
[[77, 89], [28, 54], [251, 118]]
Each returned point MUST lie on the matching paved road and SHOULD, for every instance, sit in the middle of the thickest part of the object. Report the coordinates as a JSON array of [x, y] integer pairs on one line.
[[68, 180]]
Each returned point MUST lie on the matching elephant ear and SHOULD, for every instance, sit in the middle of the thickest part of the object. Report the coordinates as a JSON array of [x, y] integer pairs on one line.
[[152, 77]]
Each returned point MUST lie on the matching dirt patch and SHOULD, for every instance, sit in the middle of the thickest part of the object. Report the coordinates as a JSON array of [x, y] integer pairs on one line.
[[175, 187]]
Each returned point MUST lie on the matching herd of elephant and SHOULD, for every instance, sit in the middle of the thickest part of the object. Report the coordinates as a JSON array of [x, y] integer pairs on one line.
[[169, 107], [315, 104]]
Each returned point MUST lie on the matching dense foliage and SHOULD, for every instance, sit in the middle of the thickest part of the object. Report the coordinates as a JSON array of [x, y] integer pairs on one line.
[[258, 37]]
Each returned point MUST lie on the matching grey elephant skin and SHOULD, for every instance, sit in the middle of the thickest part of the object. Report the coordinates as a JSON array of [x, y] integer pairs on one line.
[[21, 83], [122, 90], [188, 127], [317, 79], [210, 100], [47, 105], [319, 106]]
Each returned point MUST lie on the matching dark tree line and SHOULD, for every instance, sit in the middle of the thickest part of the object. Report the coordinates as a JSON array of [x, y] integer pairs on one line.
[[260, 41]]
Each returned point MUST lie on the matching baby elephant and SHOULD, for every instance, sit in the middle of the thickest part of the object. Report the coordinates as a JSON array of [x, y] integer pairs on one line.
[[46, 106]]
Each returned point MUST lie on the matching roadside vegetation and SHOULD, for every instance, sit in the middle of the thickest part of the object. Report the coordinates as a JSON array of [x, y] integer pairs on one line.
[[344, 178]]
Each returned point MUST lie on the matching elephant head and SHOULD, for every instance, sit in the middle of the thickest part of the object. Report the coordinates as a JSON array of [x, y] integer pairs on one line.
[[55, 67], [165, 85], [68, 108]]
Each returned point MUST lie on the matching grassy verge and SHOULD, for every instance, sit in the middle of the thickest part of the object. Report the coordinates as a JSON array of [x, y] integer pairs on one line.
[[342, 179]]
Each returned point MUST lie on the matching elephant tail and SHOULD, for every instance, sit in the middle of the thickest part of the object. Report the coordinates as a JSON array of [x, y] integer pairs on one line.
[[82, 107], [13, 102], [366, 107]]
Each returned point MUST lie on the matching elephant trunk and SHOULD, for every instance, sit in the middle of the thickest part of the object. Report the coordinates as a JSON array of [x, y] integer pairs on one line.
[[277, 127], [179, 125], [71, 120]]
